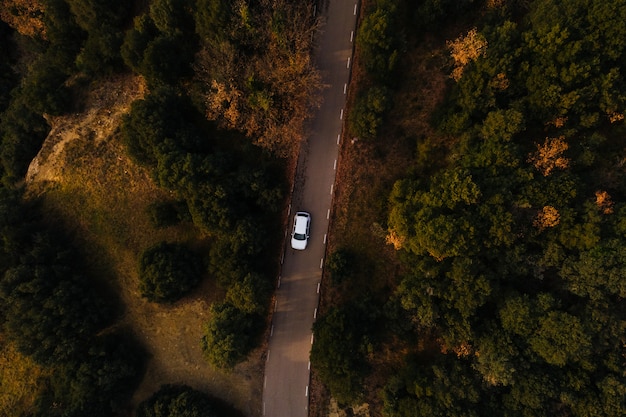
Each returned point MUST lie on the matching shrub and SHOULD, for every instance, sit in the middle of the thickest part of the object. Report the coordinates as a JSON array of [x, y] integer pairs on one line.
[[183, 401], [340, 264], [168, 271], [168, 213], [366, 117], [230, 335]]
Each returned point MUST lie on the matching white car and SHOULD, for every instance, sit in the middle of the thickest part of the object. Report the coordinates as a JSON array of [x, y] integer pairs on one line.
[[300, 233]]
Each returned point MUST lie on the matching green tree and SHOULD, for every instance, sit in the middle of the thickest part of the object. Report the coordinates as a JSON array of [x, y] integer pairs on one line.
[[339, 354], [168, 271], [177, 401], [230, 335], [249, 295], [378, 42], [366, 116]]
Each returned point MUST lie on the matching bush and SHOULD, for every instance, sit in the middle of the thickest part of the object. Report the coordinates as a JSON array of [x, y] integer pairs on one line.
[[366, 117], [168, 213], [230, 335], [183, 401], [168, 271], [342, 342], [378, 42], [340, 264]]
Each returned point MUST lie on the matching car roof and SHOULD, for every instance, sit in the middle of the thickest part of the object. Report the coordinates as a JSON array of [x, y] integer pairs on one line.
[[301, 222]]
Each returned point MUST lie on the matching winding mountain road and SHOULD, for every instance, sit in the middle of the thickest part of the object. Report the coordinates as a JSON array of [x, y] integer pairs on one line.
[[287, 370]]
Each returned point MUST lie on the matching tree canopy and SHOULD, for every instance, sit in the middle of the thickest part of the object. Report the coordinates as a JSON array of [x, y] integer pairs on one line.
[[512, 246]]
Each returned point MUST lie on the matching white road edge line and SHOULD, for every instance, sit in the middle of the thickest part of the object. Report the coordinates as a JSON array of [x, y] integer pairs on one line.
[[263, 407], [328, 214], [289, 211], [306, 393], [331, 190], [321, 263], [309, 365], [351, 36], [325, 235], [268, 356], [315, 313], [265, 382], [345, 88], [348, 64], [279, 281], [318, 287], [271, 332], [311, 339], [338, 138], [355, 9], [335, 165], [341, 115]]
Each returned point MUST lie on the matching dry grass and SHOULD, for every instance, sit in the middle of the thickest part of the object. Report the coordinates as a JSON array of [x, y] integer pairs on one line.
[[89, 185], [20, 381]]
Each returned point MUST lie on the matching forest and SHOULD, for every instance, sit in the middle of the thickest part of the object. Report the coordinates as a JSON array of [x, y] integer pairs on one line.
[[508, 224], [228, 88]]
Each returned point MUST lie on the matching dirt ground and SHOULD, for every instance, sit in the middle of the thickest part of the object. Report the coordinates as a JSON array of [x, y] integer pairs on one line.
[[87, 183]]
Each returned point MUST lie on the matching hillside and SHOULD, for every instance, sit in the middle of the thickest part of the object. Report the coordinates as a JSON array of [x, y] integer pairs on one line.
[[484, 272], [136, 154], [87, 182]]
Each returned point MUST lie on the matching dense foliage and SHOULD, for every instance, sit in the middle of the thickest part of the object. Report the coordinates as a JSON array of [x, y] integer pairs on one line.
[[228, 188], [54, 312], [232, 191], [343, 342], [231, 334], [168, 271], [515, 244], [182, 401]]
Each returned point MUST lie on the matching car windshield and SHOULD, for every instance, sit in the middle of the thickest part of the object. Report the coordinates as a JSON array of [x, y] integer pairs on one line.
[[299, 236]]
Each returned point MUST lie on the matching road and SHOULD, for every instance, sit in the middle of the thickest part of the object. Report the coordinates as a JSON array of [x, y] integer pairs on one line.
[[286, 384]]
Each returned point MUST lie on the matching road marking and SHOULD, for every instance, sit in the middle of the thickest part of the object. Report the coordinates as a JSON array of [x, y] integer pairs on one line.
[[275, 304], [314, 10], [263, 407], [338, 137], [348, 64], [306, 393], [328, 213], [289, 212], [345, 87], [325, 238], [272, 331], [351, 36], [318, 287], [335, 165], [309, 368], [315, 313], [321, 263], [282, 258], [331, 190], [341, 115], [279, 281], [265, 382], [268, 356], [355, 9], [311, 339]]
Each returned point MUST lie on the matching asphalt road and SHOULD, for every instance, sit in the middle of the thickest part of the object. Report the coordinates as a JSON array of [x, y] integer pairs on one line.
[[286, 385]]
